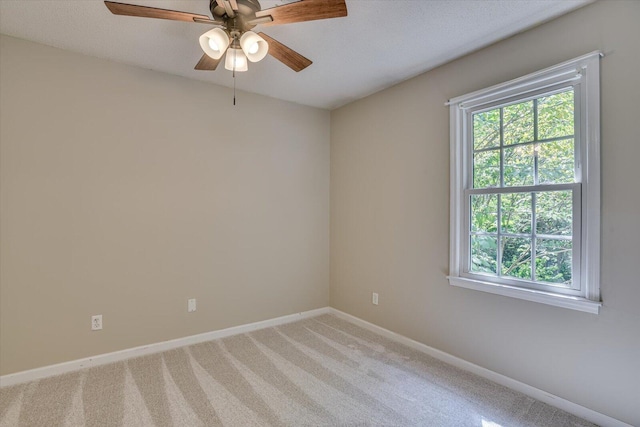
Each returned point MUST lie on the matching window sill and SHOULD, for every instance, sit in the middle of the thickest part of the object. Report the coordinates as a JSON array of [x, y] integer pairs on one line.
[[565, 301]]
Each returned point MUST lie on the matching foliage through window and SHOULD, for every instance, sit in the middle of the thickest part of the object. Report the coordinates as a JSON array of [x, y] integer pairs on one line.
[[523, 216], [519, 145]]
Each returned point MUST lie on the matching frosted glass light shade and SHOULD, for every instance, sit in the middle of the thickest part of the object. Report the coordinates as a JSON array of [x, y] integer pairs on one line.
[[254, 46], [214, 43], [237, 56]]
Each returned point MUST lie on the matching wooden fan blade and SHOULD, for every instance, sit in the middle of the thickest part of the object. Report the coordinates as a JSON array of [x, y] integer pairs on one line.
[[207, 63], [286, 55], [152, 12], [305, 10]]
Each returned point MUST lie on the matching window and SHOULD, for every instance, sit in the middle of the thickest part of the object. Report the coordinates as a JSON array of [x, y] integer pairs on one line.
[[525, 187]]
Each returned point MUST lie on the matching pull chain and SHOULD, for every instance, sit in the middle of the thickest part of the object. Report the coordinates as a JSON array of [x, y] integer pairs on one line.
[[234, 76]]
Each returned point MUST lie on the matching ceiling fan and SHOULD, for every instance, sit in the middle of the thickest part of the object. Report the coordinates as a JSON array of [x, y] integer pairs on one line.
[[233, 21]]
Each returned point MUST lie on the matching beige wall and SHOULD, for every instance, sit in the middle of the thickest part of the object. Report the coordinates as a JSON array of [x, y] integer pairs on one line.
[[390, 220], [125, 191]]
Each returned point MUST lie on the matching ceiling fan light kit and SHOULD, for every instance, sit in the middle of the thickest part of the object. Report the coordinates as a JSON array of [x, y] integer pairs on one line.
[[234, 20], [236, 60], [254, 46], [214, 43]]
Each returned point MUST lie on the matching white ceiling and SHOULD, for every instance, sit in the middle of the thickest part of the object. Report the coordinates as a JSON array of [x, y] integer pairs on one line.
[[380, 43]]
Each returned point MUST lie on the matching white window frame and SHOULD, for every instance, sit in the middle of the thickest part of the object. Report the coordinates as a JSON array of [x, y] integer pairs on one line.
[[583, 74]]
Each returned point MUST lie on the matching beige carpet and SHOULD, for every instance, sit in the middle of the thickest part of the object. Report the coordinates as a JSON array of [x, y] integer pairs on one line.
[[317, 372]]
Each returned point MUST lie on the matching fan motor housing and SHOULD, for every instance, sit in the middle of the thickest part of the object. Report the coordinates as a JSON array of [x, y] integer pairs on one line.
[[246, 11]]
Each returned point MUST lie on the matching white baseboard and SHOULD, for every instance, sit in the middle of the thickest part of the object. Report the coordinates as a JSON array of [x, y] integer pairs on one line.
[[536, 393], [116, 356]]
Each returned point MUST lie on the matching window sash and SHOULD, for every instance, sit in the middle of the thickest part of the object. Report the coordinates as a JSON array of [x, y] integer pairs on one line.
[[576, 227], [467, 126]]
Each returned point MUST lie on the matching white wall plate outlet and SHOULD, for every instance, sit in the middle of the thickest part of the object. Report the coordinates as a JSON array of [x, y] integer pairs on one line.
[[191, 305], [96, 322]]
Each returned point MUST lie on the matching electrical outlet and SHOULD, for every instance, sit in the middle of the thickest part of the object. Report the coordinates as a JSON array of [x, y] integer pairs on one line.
[[191, 305], [96, 322], [374, 300]]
